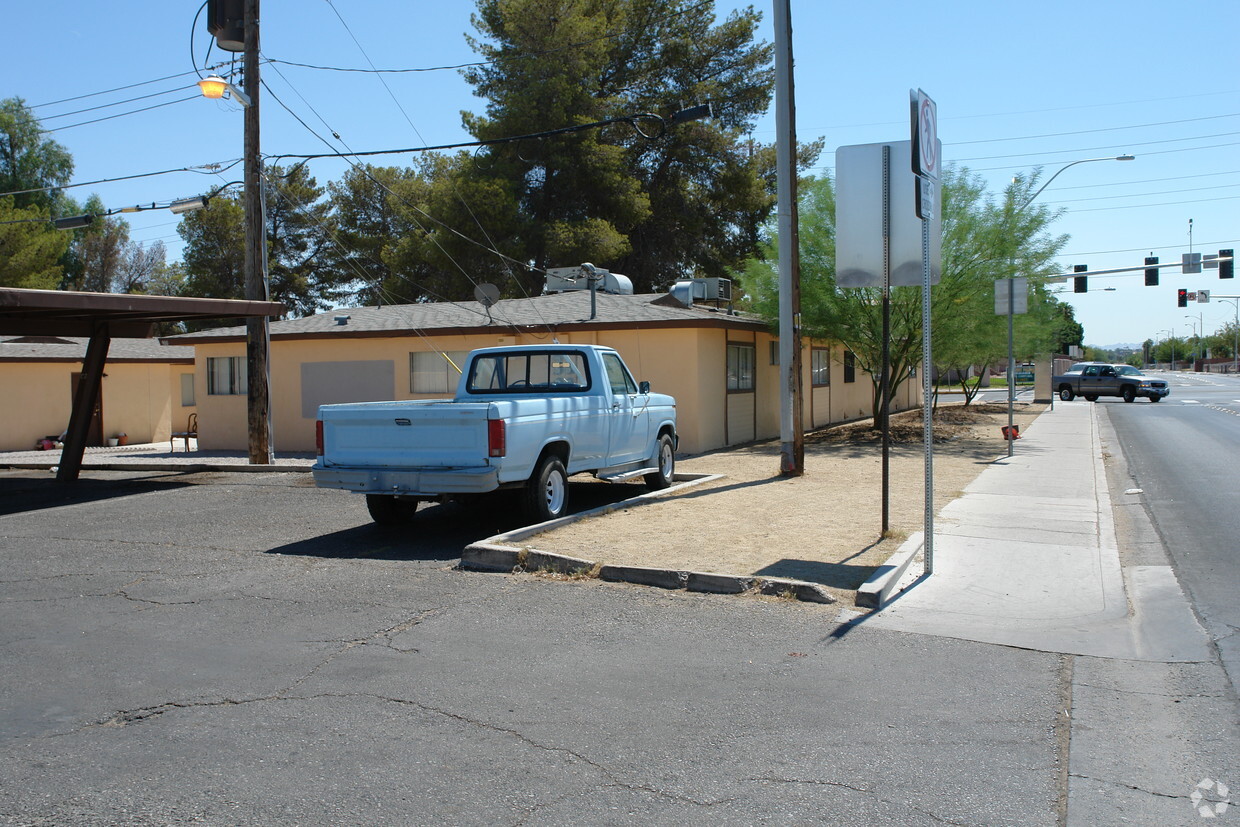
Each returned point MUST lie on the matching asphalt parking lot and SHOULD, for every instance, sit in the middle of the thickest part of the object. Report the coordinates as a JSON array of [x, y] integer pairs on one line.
[[245, 648]]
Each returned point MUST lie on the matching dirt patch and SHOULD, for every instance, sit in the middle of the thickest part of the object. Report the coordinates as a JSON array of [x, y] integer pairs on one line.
[[824, 526]]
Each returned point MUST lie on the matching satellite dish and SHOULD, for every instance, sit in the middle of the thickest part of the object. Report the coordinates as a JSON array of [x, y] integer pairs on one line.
[[486, 294]]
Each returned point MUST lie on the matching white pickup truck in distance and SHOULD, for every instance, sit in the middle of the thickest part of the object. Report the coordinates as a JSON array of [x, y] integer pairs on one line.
[[523, 418]]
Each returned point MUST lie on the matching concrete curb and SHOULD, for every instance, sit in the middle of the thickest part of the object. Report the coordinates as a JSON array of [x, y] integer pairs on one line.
[[877, 589], [495, 555]]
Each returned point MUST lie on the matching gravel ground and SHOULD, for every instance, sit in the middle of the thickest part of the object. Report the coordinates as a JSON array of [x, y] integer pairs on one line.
[[823, 527]]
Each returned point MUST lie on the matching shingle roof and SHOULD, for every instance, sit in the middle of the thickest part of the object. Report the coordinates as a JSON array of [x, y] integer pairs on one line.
[[558, 311], [73, 349]]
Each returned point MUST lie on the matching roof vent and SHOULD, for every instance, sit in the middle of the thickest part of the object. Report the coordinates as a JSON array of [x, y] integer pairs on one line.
[[565, 279], [342, 319]]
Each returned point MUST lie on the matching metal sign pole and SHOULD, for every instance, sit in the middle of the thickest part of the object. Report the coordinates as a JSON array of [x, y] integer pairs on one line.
[[926, 415]]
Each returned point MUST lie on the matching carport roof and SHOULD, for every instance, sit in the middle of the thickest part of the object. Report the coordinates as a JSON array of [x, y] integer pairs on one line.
[[62, 313], [558, 312]]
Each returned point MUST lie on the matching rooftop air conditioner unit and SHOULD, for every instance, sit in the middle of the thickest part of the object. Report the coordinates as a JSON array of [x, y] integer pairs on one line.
[[718, 289], [564, 279]]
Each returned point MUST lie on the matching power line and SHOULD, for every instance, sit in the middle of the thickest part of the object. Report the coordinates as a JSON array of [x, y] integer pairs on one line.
[[1141, 194], [201, 169], [120, 114], [1100, 148], [1091, 131]]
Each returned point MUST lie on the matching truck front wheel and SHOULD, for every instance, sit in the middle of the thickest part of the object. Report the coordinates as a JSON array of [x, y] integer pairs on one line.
[[546, 492], [389, 510], [665, 459], [1066, 394], [1129, 393]]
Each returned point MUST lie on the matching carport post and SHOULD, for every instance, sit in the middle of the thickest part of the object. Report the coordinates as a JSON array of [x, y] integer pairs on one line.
[[84, 403]]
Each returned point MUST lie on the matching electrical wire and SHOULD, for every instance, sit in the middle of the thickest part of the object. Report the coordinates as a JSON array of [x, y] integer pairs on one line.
[[201, 169], [1091, 131], [120, 115]]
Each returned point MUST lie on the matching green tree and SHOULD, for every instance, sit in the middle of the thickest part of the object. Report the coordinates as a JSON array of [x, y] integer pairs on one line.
[[691, 199], [298, 233], [30, 248], [983, 239], [31, 166]]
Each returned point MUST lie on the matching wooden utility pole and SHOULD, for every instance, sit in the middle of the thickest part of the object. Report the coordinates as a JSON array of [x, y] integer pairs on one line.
[[258, 331], [791, 433]]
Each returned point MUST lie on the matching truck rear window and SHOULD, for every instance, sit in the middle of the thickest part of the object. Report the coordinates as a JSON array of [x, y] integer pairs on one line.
[[528, 373]]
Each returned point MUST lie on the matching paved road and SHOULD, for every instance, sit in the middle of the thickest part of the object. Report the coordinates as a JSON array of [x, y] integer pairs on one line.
[[1183, 453], [246, 649]]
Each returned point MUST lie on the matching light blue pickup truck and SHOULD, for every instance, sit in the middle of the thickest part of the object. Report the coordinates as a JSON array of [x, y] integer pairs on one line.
[[523, 418]]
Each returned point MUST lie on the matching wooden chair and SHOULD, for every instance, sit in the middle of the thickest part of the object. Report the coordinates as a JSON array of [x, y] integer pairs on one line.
[[191, 430]]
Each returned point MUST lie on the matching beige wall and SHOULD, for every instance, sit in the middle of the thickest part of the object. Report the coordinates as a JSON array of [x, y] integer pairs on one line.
[[138, 399], [689, 363]]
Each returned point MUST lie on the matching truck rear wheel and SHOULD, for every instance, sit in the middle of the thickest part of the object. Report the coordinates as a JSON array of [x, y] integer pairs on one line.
[[665, 458], [1066, 394], [386, 509], [546, 493]]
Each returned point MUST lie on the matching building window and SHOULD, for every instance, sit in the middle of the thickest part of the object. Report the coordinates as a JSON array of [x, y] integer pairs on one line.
[[226, 376], [435, 371], [775, 352], [850, 366], [740, 367], [820, 367], [187, 390]]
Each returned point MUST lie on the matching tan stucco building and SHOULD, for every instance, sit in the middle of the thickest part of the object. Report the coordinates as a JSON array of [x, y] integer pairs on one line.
[[147, 389], [721, 366]]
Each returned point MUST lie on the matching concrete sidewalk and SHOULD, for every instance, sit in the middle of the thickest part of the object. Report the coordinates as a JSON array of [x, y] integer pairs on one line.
[[1028, 557], [157, 456]]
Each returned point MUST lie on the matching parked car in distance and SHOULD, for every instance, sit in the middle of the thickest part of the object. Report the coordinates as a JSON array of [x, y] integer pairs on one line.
[[1092, 380]]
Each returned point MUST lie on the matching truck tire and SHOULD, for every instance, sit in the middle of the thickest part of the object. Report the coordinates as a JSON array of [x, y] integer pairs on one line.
[[1155, 398], [1129, 393], [546, 492], [1091, 397], [665, 459], [389, 510], [1066, 394]]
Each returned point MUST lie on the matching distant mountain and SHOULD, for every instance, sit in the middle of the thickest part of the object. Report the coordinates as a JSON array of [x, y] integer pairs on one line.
[[1120, 346]]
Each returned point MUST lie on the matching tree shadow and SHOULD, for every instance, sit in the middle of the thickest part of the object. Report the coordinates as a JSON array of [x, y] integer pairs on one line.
[[24, 493]]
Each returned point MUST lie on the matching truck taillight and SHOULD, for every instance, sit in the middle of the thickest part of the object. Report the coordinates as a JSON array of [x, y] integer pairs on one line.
[[497, 439], [318, 436]]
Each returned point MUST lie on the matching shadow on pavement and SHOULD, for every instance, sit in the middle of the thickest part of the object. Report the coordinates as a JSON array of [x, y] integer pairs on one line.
[[24, 492], [835, 575], [441, 531]]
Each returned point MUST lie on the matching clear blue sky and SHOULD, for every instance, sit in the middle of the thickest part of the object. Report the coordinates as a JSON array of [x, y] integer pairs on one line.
[[1017, 85]]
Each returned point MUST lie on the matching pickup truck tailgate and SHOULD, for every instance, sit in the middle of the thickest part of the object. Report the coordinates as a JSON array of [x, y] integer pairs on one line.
[[405, 434]]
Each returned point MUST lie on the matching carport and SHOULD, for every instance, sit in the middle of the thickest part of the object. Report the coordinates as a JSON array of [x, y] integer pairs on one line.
[[100, 317]]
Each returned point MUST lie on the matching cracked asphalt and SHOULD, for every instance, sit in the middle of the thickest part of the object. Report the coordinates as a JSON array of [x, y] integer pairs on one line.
[[247, 649]]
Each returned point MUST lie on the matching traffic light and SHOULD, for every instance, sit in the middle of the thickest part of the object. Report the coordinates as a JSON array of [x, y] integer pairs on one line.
[[1080, 284], [1226, 269], [1182, 297], [1151, 273]]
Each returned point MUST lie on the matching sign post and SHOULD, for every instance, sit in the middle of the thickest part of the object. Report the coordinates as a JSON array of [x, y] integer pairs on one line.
[[926, 160]]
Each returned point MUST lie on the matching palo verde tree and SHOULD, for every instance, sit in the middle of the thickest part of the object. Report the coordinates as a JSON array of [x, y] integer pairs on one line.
[[983, 239]]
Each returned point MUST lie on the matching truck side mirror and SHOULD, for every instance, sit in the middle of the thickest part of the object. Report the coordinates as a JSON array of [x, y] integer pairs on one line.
[[644, 387]]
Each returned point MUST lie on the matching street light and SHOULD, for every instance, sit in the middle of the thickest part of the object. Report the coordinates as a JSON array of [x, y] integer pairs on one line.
[[215, 86], [1196, 339], [1074, 163], [1012, 293]]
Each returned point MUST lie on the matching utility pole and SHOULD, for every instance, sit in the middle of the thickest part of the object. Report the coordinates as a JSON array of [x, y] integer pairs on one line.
[[791, 433], [258, 331]]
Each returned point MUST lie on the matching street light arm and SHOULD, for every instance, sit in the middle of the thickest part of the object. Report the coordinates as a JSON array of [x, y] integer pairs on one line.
[[1031, 198]]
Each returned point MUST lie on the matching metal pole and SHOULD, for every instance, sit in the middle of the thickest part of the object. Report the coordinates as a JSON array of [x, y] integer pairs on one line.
[[926, 416], [1011, 441], [791, 434], [257, 344], [885, 374]]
